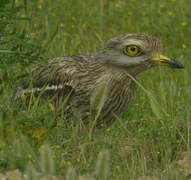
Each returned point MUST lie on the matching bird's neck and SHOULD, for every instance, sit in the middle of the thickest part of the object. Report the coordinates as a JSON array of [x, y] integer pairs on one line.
[[122, 70], [119, 77], [137, 69]]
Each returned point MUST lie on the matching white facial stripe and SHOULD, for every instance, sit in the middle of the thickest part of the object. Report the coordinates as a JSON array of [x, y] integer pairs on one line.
[[133, 42], [131, 60]]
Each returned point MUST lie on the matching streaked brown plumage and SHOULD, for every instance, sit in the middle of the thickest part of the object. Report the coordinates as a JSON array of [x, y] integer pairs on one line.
[[99, 83]]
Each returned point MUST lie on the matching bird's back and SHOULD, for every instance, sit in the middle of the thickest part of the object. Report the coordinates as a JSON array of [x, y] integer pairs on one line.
[[69, 80]]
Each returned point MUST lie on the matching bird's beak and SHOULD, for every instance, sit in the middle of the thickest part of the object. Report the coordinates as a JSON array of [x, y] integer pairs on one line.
[[165, 61]]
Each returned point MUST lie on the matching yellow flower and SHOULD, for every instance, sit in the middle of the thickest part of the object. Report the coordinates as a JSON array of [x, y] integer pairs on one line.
[[170, 13], [183, 24], [29, 156], [38, 133], [23, 15], [144, 4], [117, 5], [108, 130], [183, 46], [88, 113], [69, 163], [40, 6], [118, 168], [35, 25], [61, 25], [32, 35], [2, 145], [23, 96], [51, 106], [59, 124], [54, 156]]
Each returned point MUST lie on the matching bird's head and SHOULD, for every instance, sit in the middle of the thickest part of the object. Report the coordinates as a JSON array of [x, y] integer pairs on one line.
[[136, 53]]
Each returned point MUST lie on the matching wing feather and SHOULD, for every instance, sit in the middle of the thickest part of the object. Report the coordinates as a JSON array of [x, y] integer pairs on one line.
[[59, 75]]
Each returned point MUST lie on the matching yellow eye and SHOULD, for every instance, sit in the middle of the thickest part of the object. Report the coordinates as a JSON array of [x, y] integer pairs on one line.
[[132, 50]]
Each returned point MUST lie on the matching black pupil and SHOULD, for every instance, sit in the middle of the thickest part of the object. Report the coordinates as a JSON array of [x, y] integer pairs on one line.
[[133, 49]]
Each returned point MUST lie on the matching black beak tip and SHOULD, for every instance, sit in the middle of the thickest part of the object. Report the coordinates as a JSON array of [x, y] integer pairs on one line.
[[176, 64]]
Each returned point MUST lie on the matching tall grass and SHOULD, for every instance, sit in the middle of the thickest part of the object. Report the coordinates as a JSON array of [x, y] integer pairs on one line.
[[148, 140]]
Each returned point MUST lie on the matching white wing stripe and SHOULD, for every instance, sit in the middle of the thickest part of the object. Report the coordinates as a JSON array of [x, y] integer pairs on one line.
[[26, 91]]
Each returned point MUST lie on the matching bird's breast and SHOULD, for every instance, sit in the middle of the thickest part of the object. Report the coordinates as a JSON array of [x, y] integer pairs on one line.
[[119, 94]]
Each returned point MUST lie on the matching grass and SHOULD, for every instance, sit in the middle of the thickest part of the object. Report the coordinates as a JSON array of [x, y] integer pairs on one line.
[[152, 134]]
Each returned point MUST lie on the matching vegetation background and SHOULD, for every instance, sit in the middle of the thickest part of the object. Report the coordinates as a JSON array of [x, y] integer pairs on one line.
[[151, 140]]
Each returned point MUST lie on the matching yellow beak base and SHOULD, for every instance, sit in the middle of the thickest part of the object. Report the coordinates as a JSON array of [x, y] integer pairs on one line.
[[165, 61]]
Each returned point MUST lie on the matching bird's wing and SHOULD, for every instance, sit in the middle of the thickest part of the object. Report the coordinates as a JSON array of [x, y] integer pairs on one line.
[[60, 73]]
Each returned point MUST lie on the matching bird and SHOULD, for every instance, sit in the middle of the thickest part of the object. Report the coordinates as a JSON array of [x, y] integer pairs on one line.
[[100, 85]]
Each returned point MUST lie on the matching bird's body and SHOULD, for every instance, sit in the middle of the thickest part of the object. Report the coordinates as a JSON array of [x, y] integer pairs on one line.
[[99, 83], [81, 78]]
